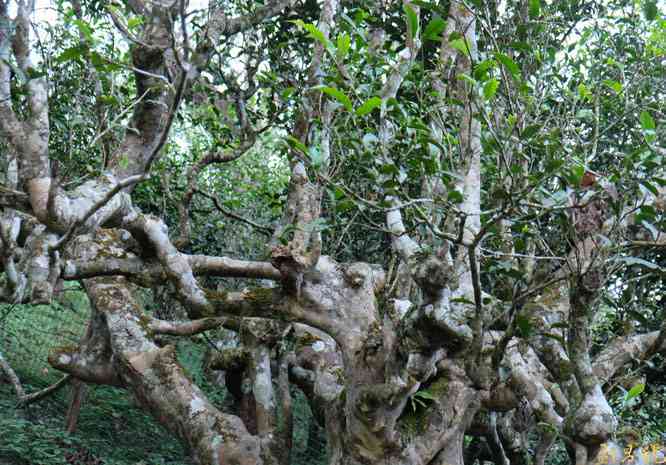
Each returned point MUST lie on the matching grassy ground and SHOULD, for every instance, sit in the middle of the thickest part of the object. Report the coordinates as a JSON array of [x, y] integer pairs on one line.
[[110, 431]]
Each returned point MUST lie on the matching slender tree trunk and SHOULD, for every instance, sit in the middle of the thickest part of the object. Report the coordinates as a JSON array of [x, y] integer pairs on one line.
[[78, 395]]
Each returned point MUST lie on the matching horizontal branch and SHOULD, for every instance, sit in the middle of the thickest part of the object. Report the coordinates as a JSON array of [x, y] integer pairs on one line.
[[26, 399], [621, 351], [261, 228], [190, 328], [220, 25], [130, 181], [202, 265]]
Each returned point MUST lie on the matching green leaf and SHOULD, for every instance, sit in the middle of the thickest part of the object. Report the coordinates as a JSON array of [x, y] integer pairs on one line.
[[461, 45], [338, 95], [434, 28], [455, 196], [71, 53], [109, 100], [614, 85], [314, 33], [297, 144], [412, 21], [85, 29], [525, 326], [33, 73], [634, 392], [134, 22], [368, 106], [509, 64], [481, 69], [530, 131], [650, 9], [584, 92], [425, 395], [462, 300], [639, 317], [490, 88], [647, 122], [556, 337], [576, 175], [534, 9], [651, 188], [344, 43], [288, 92]]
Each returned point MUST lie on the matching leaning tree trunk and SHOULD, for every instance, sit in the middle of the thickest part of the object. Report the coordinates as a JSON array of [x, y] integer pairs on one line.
[[121, 352]]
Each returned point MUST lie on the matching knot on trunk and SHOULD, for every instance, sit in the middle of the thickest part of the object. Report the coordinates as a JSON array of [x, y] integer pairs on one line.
[[292, 266], [261, 331], [594, 421], [228, 359], [357, 274], [431, 273], [34, 278]]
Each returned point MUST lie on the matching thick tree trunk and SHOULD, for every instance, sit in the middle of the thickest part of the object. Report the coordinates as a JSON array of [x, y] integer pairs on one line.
[[121, 352]]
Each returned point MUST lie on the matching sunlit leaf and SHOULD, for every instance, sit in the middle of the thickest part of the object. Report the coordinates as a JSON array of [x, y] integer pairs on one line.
[[344, 43], [461, 45], [509, 64], [412, 20], [647, 122], [534, 9], [614, 85], [434, 28], [490, 88], [635, 391], [338, 95], [314, 33], [368, 106]]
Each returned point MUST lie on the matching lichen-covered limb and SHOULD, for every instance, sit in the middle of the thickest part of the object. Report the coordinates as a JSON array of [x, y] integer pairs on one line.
[[220, 25], [440, 318], [229, 267], [229, 359], [47, 391], [260, 336], [189, 328], [151, 114], [593, 420], [153, 375], [86, 363], [529, 379], [152, 233], [622, 351], [303, 207], [442, 441], [98, 202], [28, 138], [470, 146], [148, 270], [12, 376], [402, 242], [26, 399], [304, 248]]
